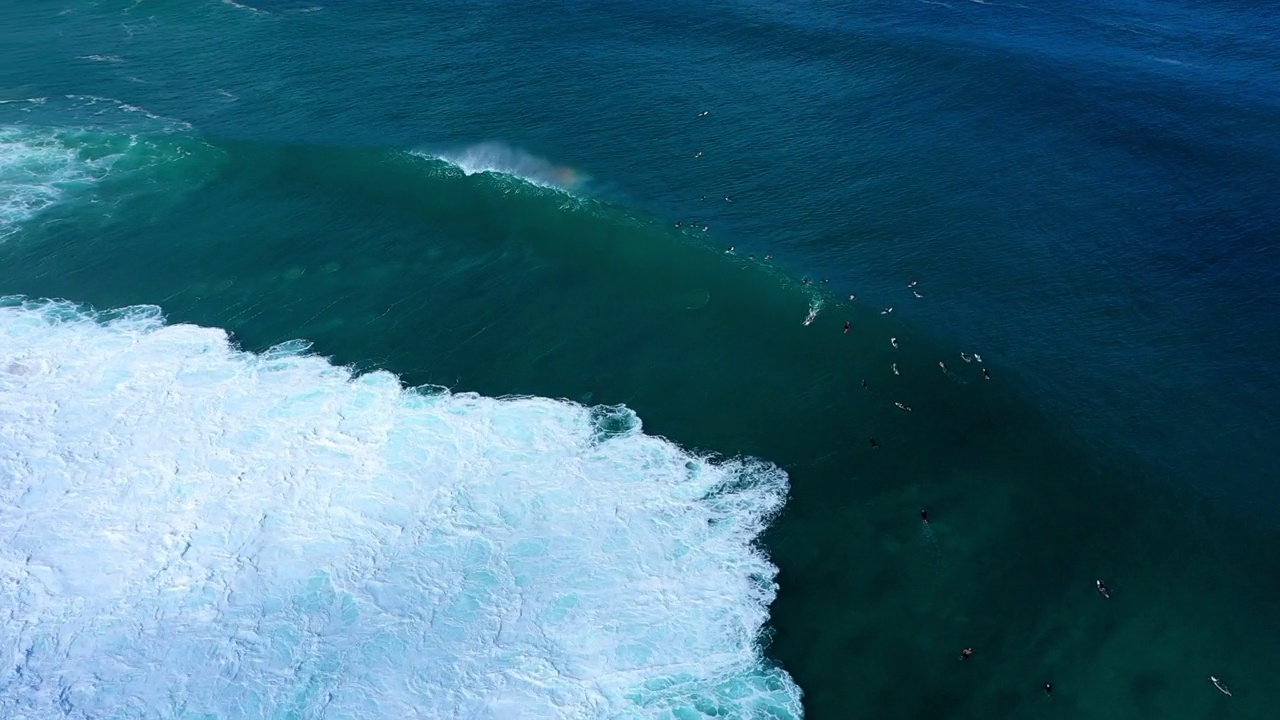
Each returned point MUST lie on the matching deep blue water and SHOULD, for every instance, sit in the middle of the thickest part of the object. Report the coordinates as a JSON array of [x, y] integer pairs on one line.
[[484, 195]]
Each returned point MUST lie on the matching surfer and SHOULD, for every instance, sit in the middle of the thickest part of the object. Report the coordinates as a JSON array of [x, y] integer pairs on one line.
[[846, 327], [1218, 684], [911, 284], [704, 197], [704, 113], [895, 368], [942, 365], [677, 223], [902, 406], [966, 653], [1102, 590], [977, 357], [698, 154], [886, 311], [966, 358], [730, 250], [768, 256], [1048, 688], [894, 342], [728, 199], [853, 297], [865, 386], [825, 281], [805, 280], [924, 516], [985, 375], [706, 228], [913, 292], [874, 445]]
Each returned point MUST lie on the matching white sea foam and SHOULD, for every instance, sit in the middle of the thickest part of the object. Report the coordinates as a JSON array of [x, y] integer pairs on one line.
[[502, 159], [53, 149], [109, 112], [242, 6], [37, 167], [187, 530]]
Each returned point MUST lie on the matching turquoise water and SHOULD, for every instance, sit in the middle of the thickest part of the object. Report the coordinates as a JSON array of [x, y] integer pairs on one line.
[[482, 198]]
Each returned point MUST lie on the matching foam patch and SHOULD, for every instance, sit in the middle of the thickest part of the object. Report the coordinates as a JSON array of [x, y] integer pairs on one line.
[[192, 531]]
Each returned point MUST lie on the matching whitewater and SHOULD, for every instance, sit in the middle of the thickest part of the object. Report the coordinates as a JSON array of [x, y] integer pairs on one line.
[[103, 139], [190, 530]]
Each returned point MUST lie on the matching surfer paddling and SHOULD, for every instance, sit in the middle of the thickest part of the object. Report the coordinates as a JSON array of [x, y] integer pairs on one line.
[[1218, 684], [1102, 589]]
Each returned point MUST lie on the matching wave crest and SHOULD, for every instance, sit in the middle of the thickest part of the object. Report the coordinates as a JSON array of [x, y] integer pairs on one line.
[[499, 159]]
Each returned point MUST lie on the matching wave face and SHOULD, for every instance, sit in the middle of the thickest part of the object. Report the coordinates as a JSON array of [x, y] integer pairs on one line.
[[190, 530]]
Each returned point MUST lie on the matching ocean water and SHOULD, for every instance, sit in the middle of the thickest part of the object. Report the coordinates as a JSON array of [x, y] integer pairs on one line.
[[371, 360]]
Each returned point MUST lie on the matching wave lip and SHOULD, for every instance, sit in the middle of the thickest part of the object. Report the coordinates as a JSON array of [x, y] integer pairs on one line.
[[259, 535], [499, 159]]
